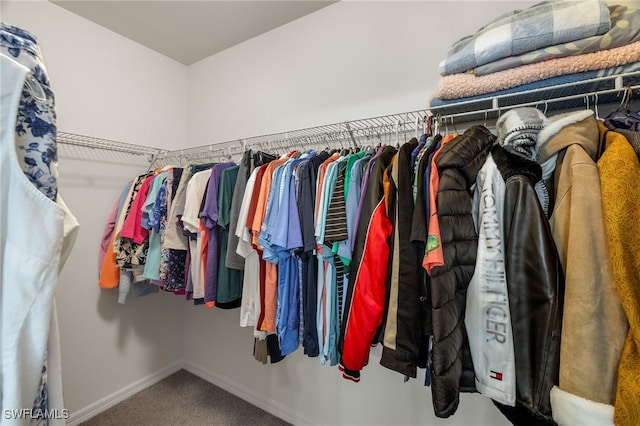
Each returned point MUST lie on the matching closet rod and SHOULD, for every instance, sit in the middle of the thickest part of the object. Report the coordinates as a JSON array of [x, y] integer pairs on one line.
[[605, 90], [186, 156], [598, 86], [344, 134], [106, 144]]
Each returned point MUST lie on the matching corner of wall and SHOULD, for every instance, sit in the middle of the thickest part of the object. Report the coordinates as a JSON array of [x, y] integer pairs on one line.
[[121, 394], [282, 411]]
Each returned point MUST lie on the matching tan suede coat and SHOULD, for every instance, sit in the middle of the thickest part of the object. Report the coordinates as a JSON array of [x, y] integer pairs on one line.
[[594, 325]]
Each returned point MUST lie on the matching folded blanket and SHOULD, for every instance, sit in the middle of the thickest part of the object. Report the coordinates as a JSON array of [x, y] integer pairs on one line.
[[625, 29], [462, 85], [544, 24], [578, 81]]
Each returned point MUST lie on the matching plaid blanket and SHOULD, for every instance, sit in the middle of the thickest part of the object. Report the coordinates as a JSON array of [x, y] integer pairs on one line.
[[463, 85], [625, 29], [545, 24]]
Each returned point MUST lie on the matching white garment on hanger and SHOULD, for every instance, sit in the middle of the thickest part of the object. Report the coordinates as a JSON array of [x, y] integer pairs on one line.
[[54, 373], [488, 316], [196, 190], [250, 305], [32, 250]]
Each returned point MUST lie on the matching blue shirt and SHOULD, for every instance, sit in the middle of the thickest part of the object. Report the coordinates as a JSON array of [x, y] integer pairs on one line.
[[287, 236], [285, 226], [157, 193], [271, 216]]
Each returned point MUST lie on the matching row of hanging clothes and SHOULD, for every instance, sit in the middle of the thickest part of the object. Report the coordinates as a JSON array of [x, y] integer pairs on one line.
[[505, 264]]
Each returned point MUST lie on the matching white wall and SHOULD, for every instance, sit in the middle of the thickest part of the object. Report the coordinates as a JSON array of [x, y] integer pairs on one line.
[[350, 60], [109, 87], [106, 85]]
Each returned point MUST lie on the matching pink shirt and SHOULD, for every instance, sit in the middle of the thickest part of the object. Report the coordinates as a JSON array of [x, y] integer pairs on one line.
[[132, 227]]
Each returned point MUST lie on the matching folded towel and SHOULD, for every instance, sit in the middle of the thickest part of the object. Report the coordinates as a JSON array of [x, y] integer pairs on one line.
[[457, 86], [544, 24], [625, 29]]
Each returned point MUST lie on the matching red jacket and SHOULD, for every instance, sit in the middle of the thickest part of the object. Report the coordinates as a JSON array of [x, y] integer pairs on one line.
[[367, 290]]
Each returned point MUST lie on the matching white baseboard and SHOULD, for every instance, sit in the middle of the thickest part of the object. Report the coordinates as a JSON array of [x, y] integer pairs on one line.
[[285, 413], [108, 401]]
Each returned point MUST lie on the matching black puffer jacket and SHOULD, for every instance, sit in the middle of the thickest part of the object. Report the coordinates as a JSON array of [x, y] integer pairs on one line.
[[458, 164]]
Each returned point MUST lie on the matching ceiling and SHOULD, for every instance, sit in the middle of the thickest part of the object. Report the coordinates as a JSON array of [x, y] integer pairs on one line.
[[188, 31]]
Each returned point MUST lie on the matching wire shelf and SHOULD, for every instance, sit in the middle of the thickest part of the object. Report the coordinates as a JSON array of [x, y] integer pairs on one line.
[[393, 128]]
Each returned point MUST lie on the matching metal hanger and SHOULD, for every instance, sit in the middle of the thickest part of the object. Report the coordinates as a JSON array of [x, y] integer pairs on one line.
[[397, 131]]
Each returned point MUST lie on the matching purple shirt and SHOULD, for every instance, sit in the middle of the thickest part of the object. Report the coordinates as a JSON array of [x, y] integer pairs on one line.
[[363, 188], [209, 216]]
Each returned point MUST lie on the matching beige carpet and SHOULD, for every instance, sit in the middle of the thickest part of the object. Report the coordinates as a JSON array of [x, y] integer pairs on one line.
[[183, 399]]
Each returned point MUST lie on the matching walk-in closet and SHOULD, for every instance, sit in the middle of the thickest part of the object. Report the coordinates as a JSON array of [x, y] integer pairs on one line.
[[320, 212]]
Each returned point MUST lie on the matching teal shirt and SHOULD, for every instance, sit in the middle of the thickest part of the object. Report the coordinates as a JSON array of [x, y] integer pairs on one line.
[[154, 255], [351, 159]]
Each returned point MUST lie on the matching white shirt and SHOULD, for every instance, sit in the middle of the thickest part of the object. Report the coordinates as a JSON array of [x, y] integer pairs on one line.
[[196, 189], [250, 305], [195, 193]]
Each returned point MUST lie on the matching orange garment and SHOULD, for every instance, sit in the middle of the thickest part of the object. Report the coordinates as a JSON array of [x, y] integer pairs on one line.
[[109, 272], [270, 298], [253, 204], [386, 185], [434, 255], [268, 314], [261, 262]]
